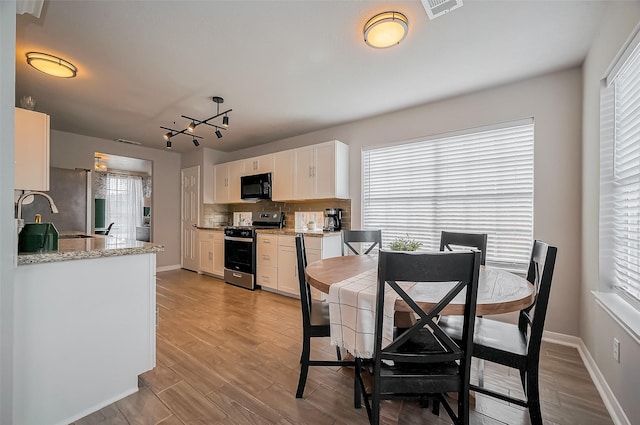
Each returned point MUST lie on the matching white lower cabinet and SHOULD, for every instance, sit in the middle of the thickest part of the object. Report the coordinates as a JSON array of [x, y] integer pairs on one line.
[[211, 252], [277, 263], [267, 261]]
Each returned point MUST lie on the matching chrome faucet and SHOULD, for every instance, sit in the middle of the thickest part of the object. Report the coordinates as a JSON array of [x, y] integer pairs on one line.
[[21, 199]]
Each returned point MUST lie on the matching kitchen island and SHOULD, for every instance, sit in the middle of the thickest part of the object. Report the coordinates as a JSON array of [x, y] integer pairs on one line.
[[85, 320]]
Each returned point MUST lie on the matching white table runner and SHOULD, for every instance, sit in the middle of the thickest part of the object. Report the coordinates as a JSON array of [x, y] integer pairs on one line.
[[352, 310]]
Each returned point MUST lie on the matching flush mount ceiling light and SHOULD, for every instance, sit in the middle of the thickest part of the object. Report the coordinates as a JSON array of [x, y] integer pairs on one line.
[[386, 29], [195, 123], [51, 65]]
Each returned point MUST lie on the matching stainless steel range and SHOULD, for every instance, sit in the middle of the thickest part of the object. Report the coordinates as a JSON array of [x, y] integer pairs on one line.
[[240, 249]]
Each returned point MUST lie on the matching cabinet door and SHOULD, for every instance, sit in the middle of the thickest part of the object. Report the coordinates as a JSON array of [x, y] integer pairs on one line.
[[283, 176], [288, 270], [31, 150], [236, 170], [206, 252], [324, 171], [303, 173], [221, 183], [258, 165], [218, 254]]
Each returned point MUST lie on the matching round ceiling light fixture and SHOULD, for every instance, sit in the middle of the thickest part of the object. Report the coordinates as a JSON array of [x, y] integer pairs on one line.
[[51, 65], [386, 29]]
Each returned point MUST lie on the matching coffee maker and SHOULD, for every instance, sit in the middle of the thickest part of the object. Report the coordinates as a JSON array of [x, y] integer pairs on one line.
[[334, 219]]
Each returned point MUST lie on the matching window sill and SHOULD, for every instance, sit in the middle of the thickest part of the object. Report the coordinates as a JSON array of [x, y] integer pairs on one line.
[[621, 311]]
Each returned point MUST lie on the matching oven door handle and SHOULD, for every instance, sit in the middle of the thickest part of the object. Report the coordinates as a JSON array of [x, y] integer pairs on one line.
[[231, 238]]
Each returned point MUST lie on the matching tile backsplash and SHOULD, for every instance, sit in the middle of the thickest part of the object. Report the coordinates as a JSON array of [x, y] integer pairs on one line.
[[220, 215]]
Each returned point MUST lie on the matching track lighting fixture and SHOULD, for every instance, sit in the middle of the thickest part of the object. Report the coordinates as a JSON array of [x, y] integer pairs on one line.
[[168, 144], [195, 122]]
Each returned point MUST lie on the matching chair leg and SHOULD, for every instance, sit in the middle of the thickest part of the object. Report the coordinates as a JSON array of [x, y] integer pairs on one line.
[[338, 353], [375, 409], [533, 398], [304, 366]]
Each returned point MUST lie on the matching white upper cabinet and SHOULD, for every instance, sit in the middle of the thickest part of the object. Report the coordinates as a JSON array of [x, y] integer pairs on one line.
[[282, 187], [221, 183], [236, 170], [321, 171], [313, 172], [31, 144], [258, 165], [227, 182]]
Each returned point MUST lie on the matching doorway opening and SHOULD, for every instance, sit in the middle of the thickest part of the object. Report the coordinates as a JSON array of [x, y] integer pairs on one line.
[[122, 193]]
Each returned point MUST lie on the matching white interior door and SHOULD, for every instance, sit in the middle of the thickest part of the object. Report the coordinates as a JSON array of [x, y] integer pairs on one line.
[[189, 217]]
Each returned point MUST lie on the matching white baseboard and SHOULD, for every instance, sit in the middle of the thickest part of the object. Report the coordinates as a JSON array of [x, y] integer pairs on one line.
[[167, 268], [99, 406], [609, 399]]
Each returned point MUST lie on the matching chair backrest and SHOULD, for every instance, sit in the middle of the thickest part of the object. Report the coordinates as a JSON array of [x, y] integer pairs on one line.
[[451, 240], [305, 289], [424, 268], [374, 237], [540, 274], [108, 229]]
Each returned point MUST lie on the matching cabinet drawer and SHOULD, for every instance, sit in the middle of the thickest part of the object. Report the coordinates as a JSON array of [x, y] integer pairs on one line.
[[267, 276], [271, 240], [206, 235], [313, 243], [289, 241], [267, 255], [218, 236]]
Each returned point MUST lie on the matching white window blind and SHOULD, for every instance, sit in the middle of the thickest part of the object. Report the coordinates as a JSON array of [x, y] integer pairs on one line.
[[620, 177], [480, 182]]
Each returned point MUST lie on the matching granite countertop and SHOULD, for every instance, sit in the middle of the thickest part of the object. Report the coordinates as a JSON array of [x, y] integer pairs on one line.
[[95, 246], [220, 228]]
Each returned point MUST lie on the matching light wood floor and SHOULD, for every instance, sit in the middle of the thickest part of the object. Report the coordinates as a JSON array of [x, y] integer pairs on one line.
[[226, 355]]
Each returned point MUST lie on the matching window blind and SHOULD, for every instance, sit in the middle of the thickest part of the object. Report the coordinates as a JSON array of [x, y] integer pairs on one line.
[[620, 178], [480, 182]]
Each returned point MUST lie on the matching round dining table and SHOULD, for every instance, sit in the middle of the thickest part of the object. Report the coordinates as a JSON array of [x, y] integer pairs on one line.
[[499, 291]]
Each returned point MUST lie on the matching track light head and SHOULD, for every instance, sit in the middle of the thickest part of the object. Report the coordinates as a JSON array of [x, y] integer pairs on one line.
[[168, 144], [195, 142], [167, 136], [225, 121], [218, 133], [191, 127]]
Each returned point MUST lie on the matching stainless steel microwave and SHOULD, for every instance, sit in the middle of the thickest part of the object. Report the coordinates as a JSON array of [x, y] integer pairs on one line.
[[256, 187]]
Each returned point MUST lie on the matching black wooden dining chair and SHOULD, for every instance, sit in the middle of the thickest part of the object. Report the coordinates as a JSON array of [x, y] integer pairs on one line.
[[516, 346], [372, 237], [450, 241], [315, 324], [105, 232], [423, 362]]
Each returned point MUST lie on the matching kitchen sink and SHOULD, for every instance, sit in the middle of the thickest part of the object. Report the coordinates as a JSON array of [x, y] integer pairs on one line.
[[74, 236]]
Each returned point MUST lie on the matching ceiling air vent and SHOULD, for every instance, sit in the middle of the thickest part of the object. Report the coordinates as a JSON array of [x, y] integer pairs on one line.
[[435, 8], [129, 142]]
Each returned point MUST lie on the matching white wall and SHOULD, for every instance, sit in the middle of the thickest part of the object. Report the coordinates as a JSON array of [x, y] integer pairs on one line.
[[8, 247], [597, 328], [75, 151], [555, 101]]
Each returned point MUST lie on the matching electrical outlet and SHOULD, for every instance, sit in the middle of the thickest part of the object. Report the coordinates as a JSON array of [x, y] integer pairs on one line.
[[616, 350]]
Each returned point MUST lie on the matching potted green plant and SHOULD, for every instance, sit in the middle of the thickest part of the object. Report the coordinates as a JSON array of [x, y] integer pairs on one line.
[[401, 244]]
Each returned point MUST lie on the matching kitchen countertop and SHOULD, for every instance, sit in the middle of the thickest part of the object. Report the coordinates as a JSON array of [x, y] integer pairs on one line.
[[220, 228], [95, 246]]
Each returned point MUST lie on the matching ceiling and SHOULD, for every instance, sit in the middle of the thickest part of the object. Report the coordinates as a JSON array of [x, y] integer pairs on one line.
[[285, 67]]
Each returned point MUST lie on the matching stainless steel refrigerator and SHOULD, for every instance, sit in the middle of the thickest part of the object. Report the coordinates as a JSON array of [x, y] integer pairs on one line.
[[71, 191]]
